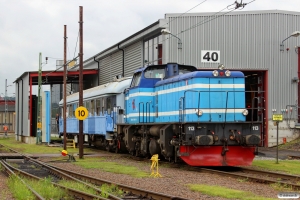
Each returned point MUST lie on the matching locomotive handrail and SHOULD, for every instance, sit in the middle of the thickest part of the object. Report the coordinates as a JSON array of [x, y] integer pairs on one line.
[[226, 108], [148, 105], [181, 105], [258, 107], [140, 112]]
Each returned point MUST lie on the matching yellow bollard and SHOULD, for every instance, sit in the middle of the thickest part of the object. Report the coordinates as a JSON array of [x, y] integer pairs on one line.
[[154, 166]]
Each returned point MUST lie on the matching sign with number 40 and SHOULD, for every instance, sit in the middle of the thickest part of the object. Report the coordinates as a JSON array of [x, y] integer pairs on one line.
[[210, 56]]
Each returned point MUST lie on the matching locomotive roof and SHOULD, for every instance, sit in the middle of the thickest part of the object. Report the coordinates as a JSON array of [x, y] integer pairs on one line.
[[115, 87], [198, 74]]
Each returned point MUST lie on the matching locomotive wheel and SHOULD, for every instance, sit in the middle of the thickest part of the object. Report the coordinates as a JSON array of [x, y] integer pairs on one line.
[[107, 147], [117, 149]]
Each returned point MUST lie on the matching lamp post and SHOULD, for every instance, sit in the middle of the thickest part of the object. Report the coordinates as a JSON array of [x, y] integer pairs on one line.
[[167, 32], [294, 34], [5, 100]]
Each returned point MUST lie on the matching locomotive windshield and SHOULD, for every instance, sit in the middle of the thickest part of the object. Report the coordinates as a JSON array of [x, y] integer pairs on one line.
[[155, 72], [136, 79], [185, 69]]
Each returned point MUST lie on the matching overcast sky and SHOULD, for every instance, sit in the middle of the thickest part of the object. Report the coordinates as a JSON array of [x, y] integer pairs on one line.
[[28, 27]]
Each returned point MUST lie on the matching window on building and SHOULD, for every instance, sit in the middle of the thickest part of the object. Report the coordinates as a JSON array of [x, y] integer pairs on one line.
[[153, 51]]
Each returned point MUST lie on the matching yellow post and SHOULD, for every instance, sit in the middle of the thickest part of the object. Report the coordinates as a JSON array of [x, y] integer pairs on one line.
[[154, 166]]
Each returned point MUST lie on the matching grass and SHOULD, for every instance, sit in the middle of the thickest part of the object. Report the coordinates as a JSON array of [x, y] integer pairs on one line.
[[46, 189], [111, 189], [96, 163], [19, 190], [77, 186], [286, 166], [33, 148], [281, 188], [105, 188], [224, 192]]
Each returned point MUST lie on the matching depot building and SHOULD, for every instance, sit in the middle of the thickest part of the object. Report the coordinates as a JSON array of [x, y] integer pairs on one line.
[[262, 44]]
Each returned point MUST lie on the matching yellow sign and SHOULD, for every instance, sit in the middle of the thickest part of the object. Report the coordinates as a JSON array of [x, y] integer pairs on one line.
[[278, 117], [39, 125], [72, 63], [81, 113]]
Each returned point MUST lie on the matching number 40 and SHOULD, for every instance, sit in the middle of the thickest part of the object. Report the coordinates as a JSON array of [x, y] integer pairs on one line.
[[214, 56]]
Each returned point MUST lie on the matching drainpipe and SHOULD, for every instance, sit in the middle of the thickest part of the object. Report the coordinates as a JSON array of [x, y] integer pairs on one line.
[[123, 59], [298, 84], [98, 69], [22, 110], [18, 109]]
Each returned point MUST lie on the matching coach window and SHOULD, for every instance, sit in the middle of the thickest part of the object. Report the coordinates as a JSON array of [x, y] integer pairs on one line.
[[98, 106], [103, 104], [92, 107], [136, 79], [88, 106], [75, 105], [108, 103], [70, 111]]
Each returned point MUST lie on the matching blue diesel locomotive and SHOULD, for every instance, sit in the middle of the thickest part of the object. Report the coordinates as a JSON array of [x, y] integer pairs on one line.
[[172, 110]]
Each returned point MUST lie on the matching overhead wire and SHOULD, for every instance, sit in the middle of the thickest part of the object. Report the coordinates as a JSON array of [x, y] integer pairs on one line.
[[74, 58], [208, 18], [185, 12]]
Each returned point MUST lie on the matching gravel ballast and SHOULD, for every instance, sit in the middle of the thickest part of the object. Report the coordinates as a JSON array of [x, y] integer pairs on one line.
[[174, 181]]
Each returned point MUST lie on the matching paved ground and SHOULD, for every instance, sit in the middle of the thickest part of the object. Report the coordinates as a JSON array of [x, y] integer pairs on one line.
[[272, 152]]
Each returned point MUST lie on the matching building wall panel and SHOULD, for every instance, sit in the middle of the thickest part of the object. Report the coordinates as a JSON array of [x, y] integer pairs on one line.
[[133, 58], [246, 41]]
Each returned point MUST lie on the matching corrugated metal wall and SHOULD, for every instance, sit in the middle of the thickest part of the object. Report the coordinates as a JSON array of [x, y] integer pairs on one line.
[[246, 41], [111, 65], [133, 58]]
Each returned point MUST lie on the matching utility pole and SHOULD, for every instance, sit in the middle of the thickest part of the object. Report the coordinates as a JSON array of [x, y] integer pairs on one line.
[[65, 88], [39, 124], [6, 108], [80, 80]]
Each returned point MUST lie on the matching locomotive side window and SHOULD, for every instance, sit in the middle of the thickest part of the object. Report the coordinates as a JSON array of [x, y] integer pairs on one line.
[[155, 72], [136, 79]]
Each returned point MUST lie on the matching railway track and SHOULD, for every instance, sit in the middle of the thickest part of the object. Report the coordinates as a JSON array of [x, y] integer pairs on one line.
[[294, 157], [259, 176], [244, 173], [35, 169]]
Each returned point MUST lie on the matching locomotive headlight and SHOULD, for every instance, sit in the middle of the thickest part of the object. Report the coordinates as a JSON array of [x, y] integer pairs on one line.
[[227, 73], [199, 112], [215, 73], [245, 112]]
